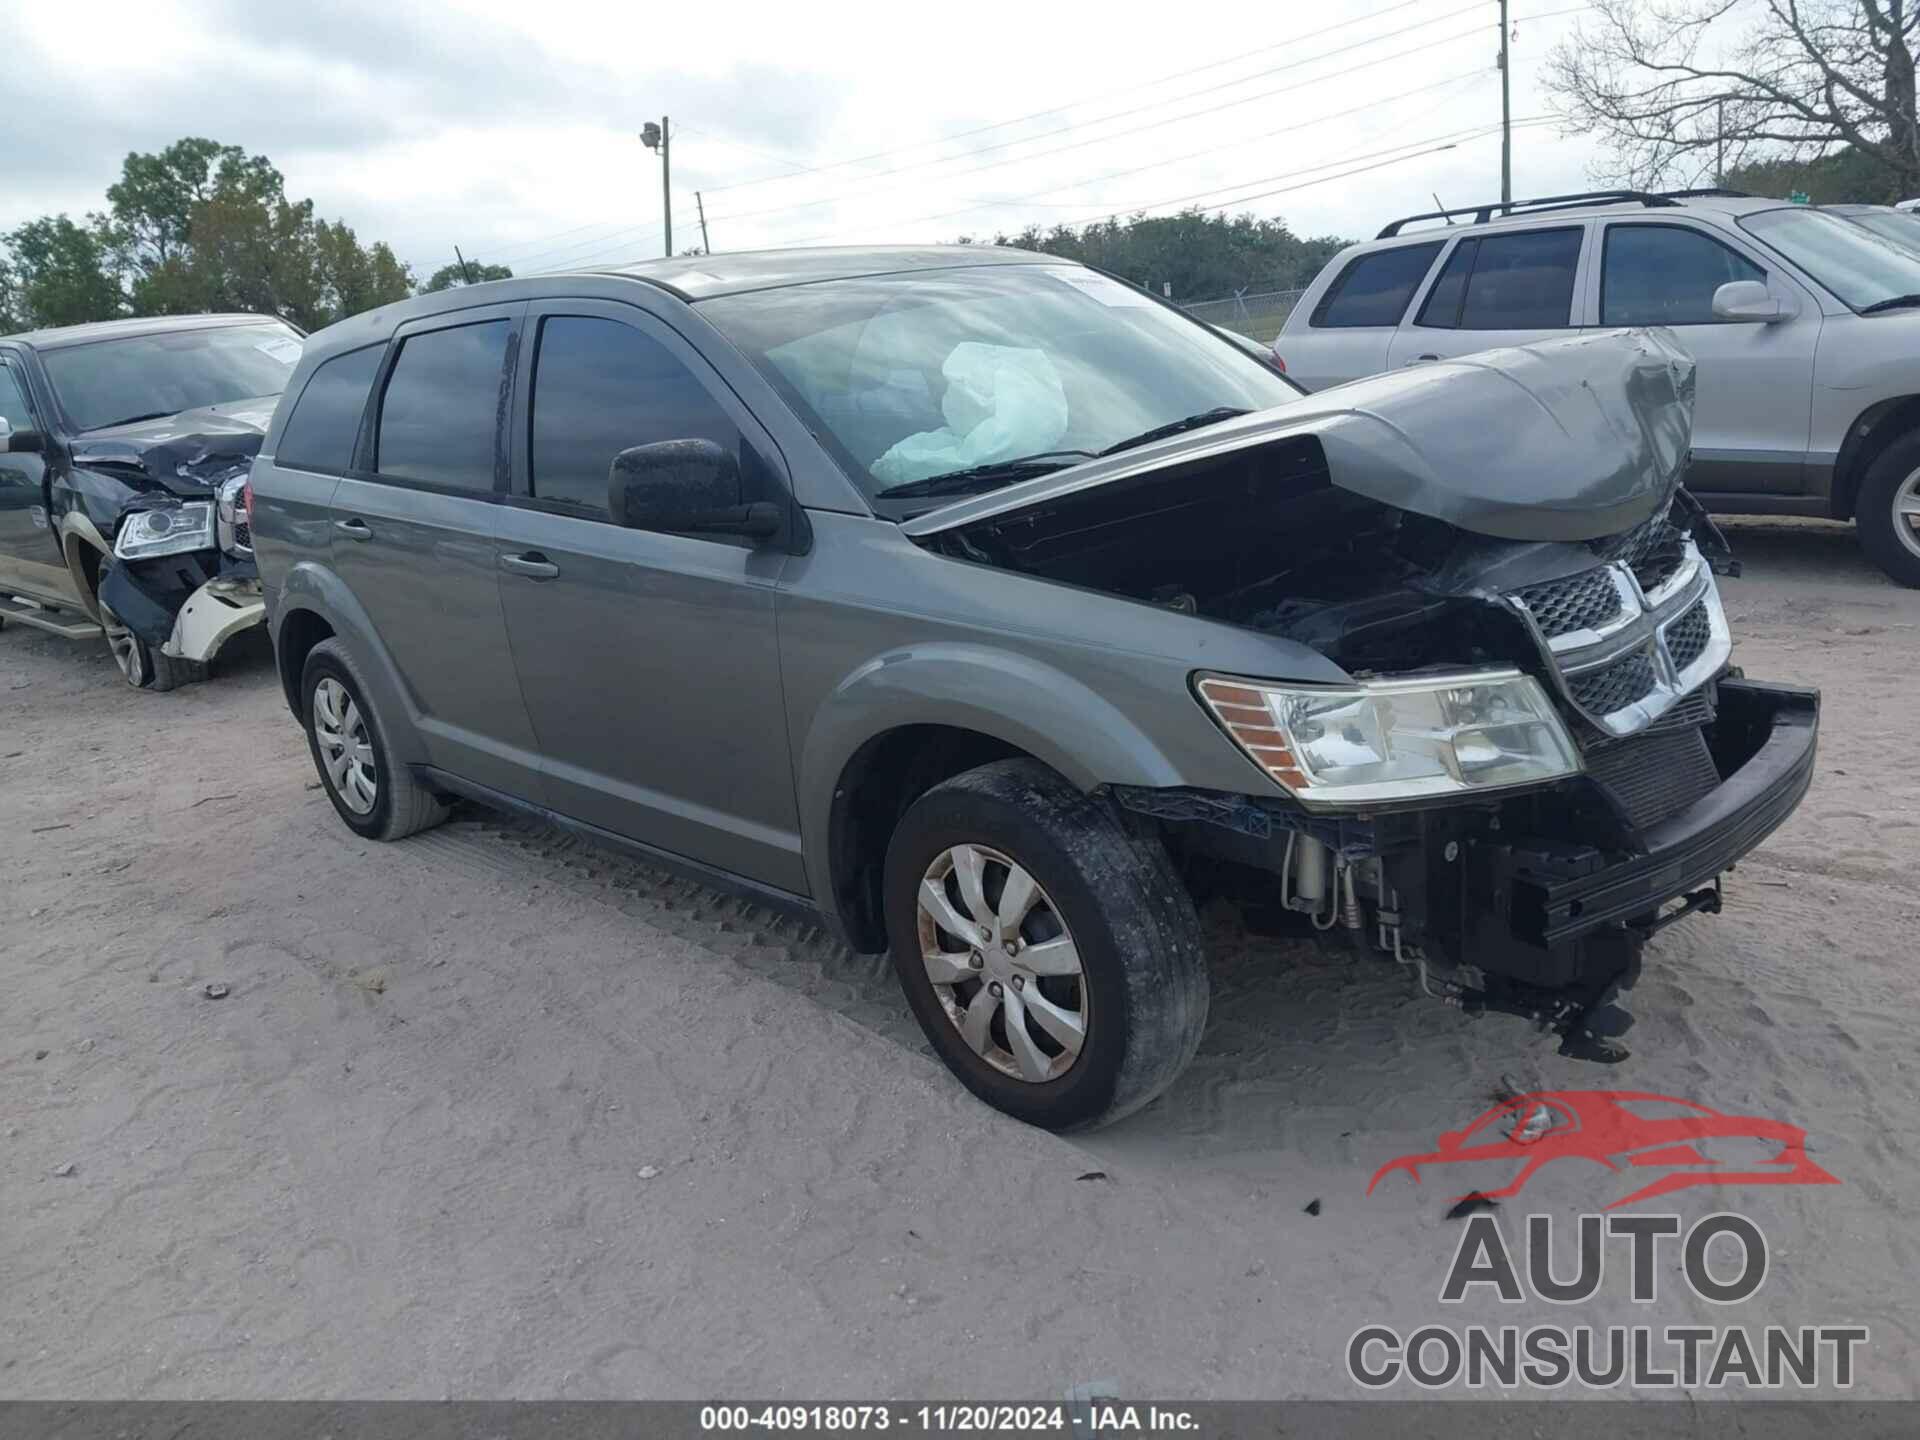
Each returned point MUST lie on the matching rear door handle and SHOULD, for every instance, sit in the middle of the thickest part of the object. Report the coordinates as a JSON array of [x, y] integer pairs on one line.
[[1422, 359], [354, 529], [533, 565]]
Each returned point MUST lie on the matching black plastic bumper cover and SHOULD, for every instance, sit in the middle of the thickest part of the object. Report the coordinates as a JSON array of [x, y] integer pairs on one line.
[[1688, 849]]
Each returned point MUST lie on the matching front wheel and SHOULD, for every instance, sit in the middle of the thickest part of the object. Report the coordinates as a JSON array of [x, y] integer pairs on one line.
[[1051, 955], [142, 666], [1888, 511]]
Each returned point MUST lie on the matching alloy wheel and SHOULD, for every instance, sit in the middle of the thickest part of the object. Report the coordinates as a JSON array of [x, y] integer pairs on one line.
[[1002, 963], [128, 653], [1906, 513], [346, 750]]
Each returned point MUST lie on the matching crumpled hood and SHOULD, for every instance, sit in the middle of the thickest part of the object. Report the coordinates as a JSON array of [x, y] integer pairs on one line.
[[186, 453], [1569, 439]]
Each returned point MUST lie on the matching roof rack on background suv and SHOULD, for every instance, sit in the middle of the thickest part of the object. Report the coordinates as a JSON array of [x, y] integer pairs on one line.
[[1483, 213]]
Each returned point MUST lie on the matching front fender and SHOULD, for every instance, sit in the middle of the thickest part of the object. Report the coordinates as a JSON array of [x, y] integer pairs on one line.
[[311, 587], [1014, 698]]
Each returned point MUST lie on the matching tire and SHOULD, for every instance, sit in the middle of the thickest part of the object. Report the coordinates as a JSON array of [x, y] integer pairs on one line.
[[142, 666], [1140, 995], [1888, 537], [334, 705]]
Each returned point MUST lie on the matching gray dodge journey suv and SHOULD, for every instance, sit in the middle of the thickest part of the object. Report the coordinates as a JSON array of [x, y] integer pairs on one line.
[[992, 612]]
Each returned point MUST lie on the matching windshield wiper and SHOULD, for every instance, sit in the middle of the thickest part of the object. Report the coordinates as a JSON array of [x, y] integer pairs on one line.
[[135, 419], [988, 476], [1898, 302], [1178, 427]]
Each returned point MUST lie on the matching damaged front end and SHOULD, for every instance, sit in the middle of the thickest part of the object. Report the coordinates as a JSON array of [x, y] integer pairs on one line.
[[182, 580], [1543, 755]]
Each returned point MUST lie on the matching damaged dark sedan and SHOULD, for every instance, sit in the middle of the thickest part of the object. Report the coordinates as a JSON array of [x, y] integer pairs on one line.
[[124, 451], [994, 613]]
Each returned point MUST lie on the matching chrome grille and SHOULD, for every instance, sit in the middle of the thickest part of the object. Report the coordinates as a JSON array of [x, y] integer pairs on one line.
[[1687, 637], [1582, 602], [1653, 551], [1616, 686]]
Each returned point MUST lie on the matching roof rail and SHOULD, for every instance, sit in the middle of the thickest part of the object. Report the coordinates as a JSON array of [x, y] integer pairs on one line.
[[1483, 213]]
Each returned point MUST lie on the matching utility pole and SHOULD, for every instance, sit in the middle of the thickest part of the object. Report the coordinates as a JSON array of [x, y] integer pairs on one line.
[[1506, 110], [1719, 144], [660, 137], [701, 205]]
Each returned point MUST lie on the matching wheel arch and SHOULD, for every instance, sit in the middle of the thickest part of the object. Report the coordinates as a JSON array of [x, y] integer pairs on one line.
[[1877, 427], [313, 605], [906, 721]]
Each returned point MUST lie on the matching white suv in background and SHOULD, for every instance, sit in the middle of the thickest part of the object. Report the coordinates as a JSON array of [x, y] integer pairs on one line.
[[1805, 327]]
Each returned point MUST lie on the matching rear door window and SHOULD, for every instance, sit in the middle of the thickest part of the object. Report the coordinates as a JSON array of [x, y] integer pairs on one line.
[[600, 387], [440, 416], [325, 422], [1374, 289], [1521, 281], [1666, 275]]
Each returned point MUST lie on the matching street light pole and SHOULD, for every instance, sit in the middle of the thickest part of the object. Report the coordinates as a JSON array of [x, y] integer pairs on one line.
[[660, 137]]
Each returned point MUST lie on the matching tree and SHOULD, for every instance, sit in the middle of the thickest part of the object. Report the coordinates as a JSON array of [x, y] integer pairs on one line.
[[1687, 90], [452, 277], [1198, 254], [60, 274], [1837, 179]]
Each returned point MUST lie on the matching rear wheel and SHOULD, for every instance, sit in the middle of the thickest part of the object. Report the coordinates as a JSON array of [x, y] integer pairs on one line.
[[377, 797], [1888, 511], [1051, 955]]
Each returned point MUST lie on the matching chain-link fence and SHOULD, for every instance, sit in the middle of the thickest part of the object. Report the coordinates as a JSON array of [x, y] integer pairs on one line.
[[1257, 316]]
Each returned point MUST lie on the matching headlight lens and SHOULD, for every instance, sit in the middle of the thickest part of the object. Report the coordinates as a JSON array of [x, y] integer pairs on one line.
[[174, 530], [1389, 740]]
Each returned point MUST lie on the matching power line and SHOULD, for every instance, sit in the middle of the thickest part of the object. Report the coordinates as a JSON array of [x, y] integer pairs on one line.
[[600, 248], [1171, 120], [1071, 104], [1434, 141], [622, 235], [633, 234]]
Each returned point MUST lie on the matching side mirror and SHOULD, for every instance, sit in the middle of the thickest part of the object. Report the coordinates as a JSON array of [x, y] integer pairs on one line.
[[686, 487], [20, 442], [1750, 300]]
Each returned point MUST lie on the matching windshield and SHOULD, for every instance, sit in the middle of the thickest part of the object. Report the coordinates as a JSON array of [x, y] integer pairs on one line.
[[1859, 266], [111, 382], [985, 375], [1895, 225]]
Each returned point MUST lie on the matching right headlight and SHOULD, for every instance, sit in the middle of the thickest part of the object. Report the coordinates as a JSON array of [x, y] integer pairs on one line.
[[170, 530], [1394, 740]]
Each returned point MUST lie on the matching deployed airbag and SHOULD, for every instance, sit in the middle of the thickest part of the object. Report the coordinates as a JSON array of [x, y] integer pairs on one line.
[[1001, 402]]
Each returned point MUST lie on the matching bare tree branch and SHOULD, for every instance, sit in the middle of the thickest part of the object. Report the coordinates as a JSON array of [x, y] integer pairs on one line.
[[1677, 89]]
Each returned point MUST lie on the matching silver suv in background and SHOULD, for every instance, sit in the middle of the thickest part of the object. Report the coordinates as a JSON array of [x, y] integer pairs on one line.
[[992, 612], [1805, 327]]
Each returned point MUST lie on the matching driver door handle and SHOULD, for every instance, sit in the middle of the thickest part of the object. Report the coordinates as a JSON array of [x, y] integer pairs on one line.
[[1422, 359], [354, 529], [533, 565]]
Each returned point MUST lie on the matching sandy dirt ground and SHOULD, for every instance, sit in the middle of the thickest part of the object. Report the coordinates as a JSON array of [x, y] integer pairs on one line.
[[491, 1113]]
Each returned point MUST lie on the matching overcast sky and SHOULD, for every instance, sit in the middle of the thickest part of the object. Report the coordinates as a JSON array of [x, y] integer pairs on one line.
[[510, 129]]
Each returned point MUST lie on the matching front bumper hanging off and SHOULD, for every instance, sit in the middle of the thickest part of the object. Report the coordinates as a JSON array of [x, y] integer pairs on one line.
[[185, 606], [1764, 742]]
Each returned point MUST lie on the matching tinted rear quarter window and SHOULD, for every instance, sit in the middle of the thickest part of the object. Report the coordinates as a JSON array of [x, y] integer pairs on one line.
[[440, 413], [1666, 275], [600, 387], [320, 432], [1374, 289], [1520, 282]]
